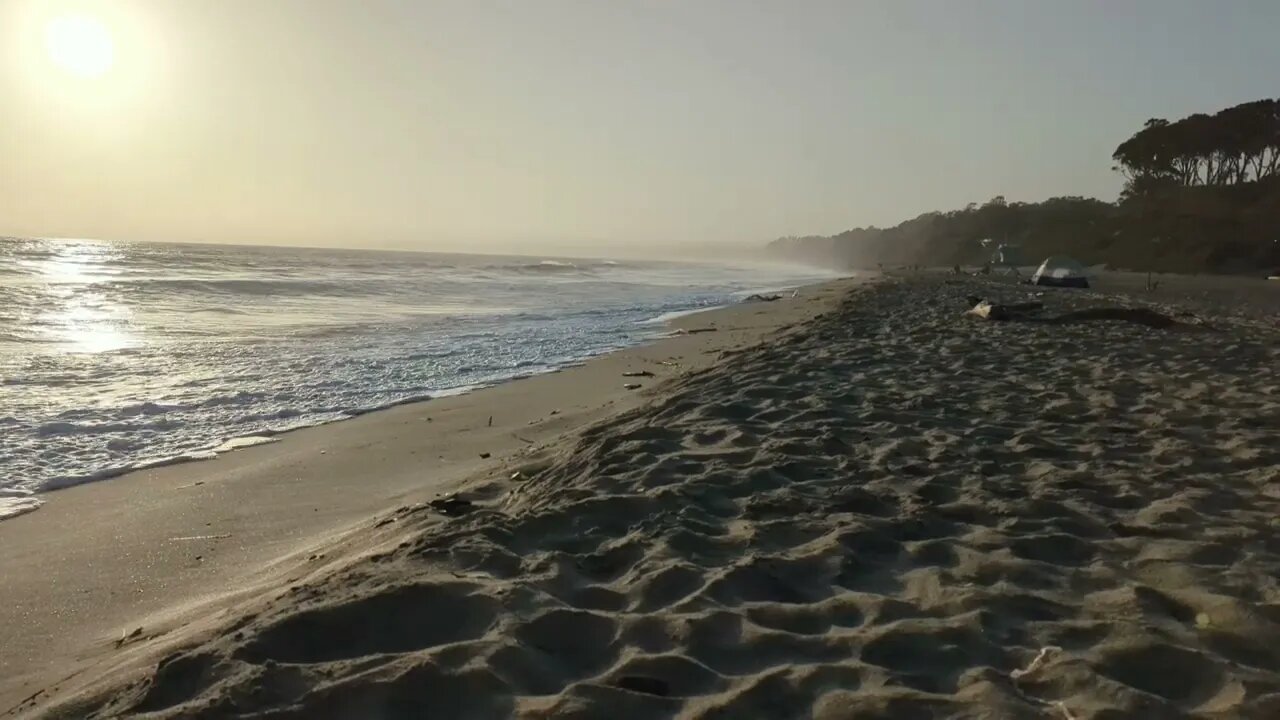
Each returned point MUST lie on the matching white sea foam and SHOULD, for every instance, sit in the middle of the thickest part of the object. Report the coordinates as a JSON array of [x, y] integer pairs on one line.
[[115, 357]]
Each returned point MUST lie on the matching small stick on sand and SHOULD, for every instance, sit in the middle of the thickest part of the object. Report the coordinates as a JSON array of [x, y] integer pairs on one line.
[[1036, 663], [222, 536], [126, 636]]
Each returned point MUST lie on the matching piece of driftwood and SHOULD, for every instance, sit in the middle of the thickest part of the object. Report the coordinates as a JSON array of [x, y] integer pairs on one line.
[[988, 310], [452, 506], [1141, 316], [1029, 312]]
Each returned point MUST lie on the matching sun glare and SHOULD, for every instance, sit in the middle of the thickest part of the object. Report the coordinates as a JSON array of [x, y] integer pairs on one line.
[[80, 45]]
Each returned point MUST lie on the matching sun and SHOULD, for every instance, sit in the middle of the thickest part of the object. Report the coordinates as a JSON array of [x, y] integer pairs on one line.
[[80, 45]]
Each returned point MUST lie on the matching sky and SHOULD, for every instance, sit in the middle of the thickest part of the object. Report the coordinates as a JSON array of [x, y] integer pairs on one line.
[[582, 124]]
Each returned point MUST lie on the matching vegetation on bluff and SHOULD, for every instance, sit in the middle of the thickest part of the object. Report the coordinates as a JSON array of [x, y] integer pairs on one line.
[[1201, 194]]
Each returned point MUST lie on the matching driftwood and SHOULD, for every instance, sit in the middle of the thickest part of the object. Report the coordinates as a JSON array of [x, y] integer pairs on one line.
[[1020, 311], [1141, 316], [1029, 312]]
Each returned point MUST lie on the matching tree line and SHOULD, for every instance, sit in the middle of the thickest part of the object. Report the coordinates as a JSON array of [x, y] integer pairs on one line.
[[1237, 145], [1201, 194]]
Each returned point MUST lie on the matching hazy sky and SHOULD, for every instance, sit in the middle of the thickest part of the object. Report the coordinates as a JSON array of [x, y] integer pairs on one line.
[[527, 123]]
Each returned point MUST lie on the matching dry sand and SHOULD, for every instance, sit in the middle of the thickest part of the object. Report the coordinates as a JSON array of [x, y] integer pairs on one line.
[[894, 512]]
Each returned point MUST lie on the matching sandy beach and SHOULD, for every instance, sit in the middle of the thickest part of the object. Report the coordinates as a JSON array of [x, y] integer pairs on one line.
[[855, 503], [172, 547]]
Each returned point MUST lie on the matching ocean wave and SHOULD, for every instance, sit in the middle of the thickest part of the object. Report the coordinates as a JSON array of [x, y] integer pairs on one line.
[[546, 267], [14, 506], [236, 342], [55, 428], [237, 398], [149, 408], [257, 288]]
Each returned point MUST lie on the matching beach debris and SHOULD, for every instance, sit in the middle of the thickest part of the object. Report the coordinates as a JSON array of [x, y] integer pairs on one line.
[[518, 476], [757, 297], [631, 386], [221, 536], [695, 331], [1203, 620], [126, 636], [384, 521], [485, 456], [988, 310], [644, 685], [637, 373], [1030, 312], [453, 506], [490, 421], [1036, 662], [1140, 316], [523, 440], [554, 412], [194, 484]]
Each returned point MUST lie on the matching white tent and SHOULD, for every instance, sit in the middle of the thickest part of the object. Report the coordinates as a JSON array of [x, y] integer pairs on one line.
[[1061, 271]]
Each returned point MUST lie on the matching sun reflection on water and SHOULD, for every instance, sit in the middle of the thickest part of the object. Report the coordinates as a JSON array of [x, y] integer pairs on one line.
[[79, 315]]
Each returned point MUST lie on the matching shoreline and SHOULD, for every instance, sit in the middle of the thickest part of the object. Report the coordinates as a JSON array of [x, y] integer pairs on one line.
[[891, 509], [159, 547], [650, 328]]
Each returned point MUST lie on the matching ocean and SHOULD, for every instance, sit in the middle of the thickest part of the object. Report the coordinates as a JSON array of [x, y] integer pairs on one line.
[[117, 356]]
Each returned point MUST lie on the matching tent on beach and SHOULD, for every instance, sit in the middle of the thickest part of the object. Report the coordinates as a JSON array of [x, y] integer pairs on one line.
[[1061, 271]]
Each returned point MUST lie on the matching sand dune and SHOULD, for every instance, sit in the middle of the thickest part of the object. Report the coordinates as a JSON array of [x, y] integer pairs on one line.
[[894, 512]]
